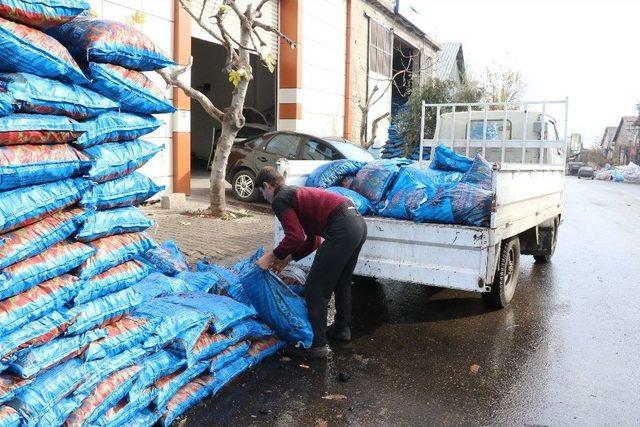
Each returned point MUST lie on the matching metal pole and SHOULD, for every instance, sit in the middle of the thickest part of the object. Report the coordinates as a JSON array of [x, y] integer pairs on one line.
[[484, 131], [436, 137], [525, 132], [421, 134], [453, 128], [504, 135], [566, 130], [542, 131], [468, 130]]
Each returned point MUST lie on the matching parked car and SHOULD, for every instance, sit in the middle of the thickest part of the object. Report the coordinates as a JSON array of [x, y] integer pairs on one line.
[[586, 172], [249, 156], [574, 167]]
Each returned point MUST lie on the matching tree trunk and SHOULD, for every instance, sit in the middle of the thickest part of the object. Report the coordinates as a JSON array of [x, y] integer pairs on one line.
[[232, 122]]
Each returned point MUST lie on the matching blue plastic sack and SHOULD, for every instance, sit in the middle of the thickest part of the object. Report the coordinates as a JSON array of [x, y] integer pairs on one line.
[[126, 410], [115, 279], [200, 280], [330, 174], [225, 375], [246, 264], [115, 127], [445, 159], [112, 251], [101, 40], [27, 205], [411, 188], [58, 413], [280, 308], [130, 190], [106, 395], [111, 222], [471, 205], [439, 178], [9, 386], [42, 14], [121, 335], [262, 348], [167, 258], [230, 354], [28, 241], [99, 370], [135, 91], [113, 160], [617, 175], [361, 203], [49, 389], [35, 333], [9, 417], [229, 283], [375, 178], [31, 51], [96, 312], [40, 95], [435, 209], [248, 329], [23, 165], [479, 174], [7, 104], [145, 418], [221, 311], [154, 367], [57, 260], [18, 129], [186, 397], [169, 386], [32, 361], [42, 299]]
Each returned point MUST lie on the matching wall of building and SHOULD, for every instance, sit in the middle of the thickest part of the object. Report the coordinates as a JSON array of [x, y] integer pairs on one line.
[[363, 11], [156, 22], [323, 69]]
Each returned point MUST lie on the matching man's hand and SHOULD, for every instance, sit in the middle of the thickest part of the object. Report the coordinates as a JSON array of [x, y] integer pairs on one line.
[[266, 261], [280, 264]]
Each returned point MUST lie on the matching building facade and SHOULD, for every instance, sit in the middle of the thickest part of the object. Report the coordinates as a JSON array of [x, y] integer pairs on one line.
[[346, 49]]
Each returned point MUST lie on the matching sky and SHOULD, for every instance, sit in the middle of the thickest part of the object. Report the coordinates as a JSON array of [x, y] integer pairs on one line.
[[586, 50]]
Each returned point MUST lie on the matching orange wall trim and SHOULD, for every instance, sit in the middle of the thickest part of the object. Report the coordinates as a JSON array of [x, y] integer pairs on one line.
[[181, 140], [291, 59], [291, 111]]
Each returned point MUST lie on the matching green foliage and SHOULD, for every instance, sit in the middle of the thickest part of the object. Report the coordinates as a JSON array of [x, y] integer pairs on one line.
[[433, 92]]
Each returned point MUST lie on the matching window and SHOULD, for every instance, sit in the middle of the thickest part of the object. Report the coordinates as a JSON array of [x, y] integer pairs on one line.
[[315, 150], [283, 145], [494, 130], [253, 143], [379, 49]]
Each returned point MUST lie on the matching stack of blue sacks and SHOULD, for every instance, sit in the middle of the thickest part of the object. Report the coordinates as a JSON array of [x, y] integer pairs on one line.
[[453, 190], [100, 325]]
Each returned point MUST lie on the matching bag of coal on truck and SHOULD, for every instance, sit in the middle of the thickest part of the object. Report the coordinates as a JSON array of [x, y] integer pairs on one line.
[[376, 178], [445, 159], [330, 174], [31, 51], [278, 306], [360, 202]]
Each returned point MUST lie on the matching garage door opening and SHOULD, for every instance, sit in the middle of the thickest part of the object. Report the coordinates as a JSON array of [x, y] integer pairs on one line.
[[207, 76]]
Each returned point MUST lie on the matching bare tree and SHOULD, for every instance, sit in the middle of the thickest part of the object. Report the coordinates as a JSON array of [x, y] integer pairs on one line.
[[238, 68], [503, 84]]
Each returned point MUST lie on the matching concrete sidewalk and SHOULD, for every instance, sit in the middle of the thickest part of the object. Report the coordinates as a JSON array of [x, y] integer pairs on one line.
[[223, 241]]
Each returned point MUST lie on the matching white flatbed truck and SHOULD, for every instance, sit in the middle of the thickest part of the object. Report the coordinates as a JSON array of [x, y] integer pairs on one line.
[[528, 184]]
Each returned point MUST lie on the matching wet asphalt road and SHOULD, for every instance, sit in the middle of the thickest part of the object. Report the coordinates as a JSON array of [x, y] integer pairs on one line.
[[566, 352]]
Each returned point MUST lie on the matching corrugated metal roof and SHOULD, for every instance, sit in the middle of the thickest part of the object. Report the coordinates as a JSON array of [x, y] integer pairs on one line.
[[609, 135], [447, 59]]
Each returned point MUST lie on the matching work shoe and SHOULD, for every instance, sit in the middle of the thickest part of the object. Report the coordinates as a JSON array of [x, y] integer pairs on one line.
[[320, 352], [339, 334]]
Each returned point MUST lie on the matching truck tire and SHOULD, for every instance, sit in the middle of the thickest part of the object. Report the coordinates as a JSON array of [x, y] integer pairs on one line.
[[549, 238], [244, 186], [506, 277]]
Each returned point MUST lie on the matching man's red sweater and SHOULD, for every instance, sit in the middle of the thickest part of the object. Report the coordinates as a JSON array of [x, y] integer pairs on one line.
[[304, 213]]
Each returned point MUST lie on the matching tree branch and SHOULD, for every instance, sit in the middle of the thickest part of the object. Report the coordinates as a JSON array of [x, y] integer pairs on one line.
[[209, 29], [171, 77], [232, 4], [274, 30], [259, 6], [374, 130]]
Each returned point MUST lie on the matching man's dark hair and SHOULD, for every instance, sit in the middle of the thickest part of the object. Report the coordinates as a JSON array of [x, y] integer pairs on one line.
[[269, 175]]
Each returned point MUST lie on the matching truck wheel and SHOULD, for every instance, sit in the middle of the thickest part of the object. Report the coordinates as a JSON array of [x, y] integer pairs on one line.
[[244, 186], [549, 238], [506, 278]]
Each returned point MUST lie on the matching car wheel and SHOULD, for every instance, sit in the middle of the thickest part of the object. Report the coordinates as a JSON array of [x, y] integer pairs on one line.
[[244, 186], [506, 279]]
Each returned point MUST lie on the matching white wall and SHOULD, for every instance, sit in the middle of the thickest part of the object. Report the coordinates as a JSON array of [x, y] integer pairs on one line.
[[323, 67], [158, 25]]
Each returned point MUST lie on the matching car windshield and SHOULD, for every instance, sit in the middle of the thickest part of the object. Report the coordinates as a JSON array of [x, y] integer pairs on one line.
[[351, 152]]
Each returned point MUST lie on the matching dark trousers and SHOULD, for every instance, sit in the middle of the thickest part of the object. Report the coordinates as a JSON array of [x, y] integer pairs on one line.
[[332, 272]]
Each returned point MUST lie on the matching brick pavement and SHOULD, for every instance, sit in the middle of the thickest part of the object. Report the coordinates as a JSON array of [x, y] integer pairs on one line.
[[223, 241]]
